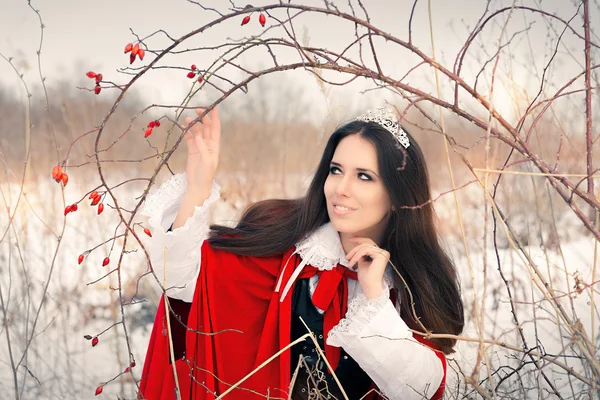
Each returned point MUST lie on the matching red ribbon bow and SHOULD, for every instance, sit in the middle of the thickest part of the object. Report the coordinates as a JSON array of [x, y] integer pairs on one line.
[[331, 295]]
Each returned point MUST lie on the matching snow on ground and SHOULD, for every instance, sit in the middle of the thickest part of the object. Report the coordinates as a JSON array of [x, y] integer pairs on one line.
[[61, 363]]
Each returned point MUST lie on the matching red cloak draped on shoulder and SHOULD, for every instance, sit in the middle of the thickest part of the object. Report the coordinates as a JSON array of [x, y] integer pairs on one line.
[[235, 322]]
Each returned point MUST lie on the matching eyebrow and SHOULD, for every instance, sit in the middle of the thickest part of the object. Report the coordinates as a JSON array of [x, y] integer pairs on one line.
[[358, 169]]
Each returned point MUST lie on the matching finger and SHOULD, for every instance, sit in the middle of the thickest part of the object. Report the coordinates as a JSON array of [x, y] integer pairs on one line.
[[215, 132], [192, 127], [189, 139], [356, 248], [363, 252], [199, 128], [206, 126], [352, 252], [370, 253], [201, 146]]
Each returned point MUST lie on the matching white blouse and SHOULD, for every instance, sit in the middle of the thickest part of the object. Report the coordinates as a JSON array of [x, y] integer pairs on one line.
[[372, 332]]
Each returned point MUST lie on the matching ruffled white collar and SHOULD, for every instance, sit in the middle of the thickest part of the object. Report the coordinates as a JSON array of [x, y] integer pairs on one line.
[[323, 248]]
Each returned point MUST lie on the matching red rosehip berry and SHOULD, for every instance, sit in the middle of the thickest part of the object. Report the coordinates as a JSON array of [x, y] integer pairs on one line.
[[193, 67], [105, 262], [147, 232], [97, 89], [94, 341], [191, 75], [128, 47], [68, 209], [91, 75], [157, 123], [96, 200], [131, 58], [141, 54], [64, 178], [245, 20], [80, 258], [148, 132], [135, 50], [132, 364], [100, 208], [98, 390], [200, 80], [74, 207], [99, 78], [57, 172], [262, 19], [151, 124], [93, 194], [126, 370]]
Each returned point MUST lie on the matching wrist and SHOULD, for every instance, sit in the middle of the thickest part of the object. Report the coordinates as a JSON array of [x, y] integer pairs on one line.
[[373, 291], [197, 194]]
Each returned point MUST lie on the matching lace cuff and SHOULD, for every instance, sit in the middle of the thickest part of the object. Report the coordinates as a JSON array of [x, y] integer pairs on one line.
[[162, 206], [177, 251], [361, 312], [376, 337]]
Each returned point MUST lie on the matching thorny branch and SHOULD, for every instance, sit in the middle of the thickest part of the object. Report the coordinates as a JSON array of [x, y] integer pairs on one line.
[[508, 357]]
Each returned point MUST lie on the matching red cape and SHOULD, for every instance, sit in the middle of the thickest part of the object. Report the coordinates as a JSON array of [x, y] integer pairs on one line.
[[235, 323]]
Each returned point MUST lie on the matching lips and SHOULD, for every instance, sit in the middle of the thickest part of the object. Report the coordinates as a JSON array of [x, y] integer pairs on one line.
[[341, 209]]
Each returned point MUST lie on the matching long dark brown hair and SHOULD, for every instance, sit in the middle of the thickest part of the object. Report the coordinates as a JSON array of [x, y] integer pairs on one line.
[[271, 227]]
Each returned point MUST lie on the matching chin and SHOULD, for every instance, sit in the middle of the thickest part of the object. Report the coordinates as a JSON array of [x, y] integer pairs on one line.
[[343, 226]]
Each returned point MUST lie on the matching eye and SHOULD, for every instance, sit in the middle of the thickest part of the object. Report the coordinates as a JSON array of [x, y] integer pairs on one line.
[[334, 170], [364, 177]]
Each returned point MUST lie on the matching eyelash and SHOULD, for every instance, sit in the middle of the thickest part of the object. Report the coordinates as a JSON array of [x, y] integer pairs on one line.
[[331, 171]]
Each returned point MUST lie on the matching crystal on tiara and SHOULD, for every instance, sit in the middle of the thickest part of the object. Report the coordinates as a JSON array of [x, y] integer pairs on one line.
[[387, 119]]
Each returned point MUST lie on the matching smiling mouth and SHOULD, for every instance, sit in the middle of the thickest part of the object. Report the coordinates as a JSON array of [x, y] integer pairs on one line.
[[341, 210]]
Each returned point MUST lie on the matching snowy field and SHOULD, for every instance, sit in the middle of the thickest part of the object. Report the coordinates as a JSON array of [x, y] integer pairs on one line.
[[58, 362]]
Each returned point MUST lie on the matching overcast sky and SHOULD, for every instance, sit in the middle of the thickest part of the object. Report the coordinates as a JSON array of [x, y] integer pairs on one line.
[[82, 35]]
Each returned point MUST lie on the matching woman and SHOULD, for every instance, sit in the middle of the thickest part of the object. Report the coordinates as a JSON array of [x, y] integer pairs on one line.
[[239, 295]]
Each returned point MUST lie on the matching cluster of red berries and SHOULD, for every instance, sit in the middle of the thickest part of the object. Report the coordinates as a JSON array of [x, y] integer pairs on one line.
[[99, 388], [194, 71], [106, 260], [261, 18], [134, 51], [71, 208], [59, 175], [151, 126], [98, 78], [95, 197]]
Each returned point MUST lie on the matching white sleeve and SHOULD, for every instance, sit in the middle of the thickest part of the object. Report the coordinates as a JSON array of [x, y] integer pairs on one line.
[[178, 250], [376, 337]]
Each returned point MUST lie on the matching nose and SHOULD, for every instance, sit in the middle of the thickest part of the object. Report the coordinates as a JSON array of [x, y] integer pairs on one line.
[[343, 186]]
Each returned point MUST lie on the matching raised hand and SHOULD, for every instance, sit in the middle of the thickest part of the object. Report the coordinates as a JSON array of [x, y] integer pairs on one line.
[[203, 141]]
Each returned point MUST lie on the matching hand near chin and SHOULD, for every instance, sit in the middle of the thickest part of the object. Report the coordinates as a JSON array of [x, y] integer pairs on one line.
[[371, 261]]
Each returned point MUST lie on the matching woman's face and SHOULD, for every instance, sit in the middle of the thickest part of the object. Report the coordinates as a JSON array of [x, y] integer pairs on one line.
[[357, 201]]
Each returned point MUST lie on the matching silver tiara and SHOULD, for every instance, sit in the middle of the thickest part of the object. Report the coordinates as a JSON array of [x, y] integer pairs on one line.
[[387, 119]]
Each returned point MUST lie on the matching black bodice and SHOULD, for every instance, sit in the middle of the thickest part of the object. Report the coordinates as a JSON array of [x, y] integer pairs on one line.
[[313, 379]]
